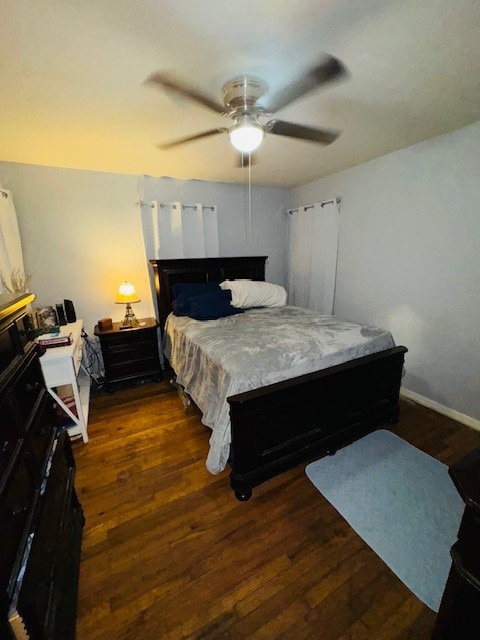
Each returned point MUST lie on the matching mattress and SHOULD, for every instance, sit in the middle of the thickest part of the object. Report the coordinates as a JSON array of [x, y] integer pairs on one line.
[[216, 359]]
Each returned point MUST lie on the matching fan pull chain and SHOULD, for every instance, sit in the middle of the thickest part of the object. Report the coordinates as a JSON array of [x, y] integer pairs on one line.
[[247, 191], [250, 196]]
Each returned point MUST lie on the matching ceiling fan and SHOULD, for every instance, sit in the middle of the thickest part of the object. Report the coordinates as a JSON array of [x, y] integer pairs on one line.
[[240, 103]]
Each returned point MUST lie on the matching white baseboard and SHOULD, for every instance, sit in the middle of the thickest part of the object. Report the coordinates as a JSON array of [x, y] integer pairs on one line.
[[440, 408]]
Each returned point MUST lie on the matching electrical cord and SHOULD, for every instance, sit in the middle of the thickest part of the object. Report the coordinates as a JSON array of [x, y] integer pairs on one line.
[[92, 360]]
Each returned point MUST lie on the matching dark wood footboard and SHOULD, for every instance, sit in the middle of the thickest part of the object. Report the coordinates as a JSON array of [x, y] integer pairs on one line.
[[280, 425]]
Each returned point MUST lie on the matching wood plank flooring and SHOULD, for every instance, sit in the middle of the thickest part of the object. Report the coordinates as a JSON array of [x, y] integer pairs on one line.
[[169, 553]]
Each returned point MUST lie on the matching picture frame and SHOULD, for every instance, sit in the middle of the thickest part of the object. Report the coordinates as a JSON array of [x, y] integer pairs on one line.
[[46, 318]]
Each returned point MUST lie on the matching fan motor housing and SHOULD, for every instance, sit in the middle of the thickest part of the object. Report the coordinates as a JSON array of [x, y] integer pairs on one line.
[[243, 91]]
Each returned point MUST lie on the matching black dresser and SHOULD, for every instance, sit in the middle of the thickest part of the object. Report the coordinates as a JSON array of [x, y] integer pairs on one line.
[[41, 520]]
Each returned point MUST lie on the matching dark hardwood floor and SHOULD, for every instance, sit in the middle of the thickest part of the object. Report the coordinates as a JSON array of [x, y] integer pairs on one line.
[[169, 553]]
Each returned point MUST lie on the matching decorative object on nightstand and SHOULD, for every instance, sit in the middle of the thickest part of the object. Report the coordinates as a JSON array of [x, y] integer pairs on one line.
[[127, 295], [105, 323], [130, 354]]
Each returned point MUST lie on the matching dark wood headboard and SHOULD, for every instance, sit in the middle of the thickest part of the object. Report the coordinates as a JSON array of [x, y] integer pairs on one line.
[[169, 272]]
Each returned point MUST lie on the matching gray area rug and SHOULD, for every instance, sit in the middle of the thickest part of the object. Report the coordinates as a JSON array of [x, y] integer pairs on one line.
[[403, 504]]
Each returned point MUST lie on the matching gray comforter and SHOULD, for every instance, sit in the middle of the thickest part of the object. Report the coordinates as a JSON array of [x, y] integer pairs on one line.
[[219, 358]]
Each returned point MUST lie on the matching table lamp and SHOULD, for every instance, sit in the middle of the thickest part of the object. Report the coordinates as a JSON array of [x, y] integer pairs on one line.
[[127, 295]]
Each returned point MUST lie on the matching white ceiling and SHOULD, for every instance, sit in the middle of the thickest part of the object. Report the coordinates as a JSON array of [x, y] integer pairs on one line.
[[71, 75]]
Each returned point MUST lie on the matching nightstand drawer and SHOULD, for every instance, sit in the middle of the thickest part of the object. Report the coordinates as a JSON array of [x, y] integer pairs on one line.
[[132, 368], [132, 338], [131, 352]]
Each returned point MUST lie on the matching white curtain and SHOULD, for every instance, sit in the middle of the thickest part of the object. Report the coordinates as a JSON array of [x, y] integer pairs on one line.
[[176, 230], [12, 272], [313, 244], [300, 253]]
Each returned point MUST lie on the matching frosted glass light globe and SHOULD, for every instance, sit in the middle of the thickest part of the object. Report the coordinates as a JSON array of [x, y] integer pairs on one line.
[[247, 137]]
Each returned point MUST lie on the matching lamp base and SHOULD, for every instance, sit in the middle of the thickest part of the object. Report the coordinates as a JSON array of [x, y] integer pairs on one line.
[[129, 321]]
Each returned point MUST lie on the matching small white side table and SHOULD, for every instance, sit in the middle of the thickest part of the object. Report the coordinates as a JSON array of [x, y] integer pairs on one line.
[[62, 366]]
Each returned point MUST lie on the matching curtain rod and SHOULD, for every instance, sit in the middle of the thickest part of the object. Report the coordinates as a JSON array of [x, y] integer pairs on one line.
[[194, 206], [332, 201], [163, 205], [312, 206]]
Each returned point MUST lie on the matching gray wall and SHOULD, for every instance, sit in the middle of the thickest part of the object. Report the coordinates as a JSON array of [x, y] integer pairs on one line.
[[81, 232], [269, 217], [409, 260]]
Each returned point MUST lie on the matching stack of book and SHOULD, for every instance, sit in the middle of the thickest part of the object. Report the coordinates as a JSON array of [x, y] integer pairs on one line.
[[51, 340]]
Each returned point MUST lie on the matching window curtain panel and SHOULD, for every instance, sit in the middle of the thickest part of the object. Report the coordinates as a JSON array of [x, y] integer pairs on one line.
[[313, 245], [300, 256], [13, 278], [176, 230]]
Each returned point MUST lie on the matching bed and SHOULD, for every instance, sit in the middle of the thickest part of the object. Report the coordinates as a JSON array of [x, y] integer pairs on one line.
[[278, 425]]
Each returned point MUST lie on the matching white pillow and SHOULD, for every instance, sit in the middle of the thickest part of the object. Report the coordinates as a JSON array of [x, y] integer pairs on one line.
[[252, 293]]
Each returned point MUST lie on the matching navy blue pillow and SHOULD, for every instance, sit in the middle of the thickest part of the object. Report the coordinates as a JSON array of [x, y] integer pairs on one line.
[[183, 291], [180, 306], [210, 306], [189, 289]]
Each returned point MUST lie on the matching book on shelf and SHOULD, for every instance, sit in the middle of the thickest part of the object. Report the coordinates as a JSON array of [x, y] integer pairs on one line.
[[51, 340]]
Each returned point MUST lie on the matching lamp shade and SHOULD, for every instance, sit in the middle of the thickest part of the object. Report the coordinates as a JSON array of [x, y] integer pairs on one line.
[[126, 294], [247, 135]]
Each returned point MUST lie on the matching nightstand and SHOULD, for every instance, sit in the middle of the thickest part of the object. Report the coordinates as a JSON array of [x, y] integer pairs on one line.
[[130, 354]]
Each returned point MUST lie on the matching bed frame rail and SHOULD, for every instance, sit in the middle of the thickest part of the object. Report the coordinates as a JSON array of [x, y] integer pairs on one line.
[[278, 426]]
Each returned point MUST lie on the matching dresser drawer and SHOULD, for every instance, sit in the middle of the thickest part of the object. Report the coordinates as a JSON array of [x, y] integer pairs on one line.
[[8, 350], [16, 511], [42, 431], [10, 437], [28, 387], [22, 336], [51, 523], [13, 339], [38, 433], [47, 594]]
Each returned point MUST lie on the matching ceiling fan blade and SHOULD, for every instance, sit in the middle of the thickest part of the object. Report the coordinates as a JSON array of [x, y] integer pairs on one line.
[[291, 130], [198, 136], [330, 69], [168, 82], [244, 159]]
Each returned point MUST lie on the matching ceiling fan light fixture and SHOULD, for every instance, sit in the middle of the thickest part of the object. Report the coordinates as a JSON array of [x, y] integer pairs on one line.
[[240, 98], [247, 135]]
